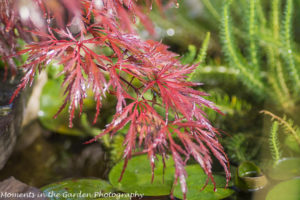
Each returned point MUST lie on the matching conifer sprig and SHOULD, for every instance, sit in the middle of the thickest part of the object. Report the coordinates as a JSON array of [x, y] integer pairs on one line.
[[274, 143], [235, 58], [273, 70], [287, 42]]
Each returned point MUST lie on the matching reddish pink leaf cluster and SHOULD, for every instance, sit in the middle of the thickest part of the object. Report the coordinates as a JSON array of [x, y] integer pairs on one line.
[[153, 96], [8, 41]]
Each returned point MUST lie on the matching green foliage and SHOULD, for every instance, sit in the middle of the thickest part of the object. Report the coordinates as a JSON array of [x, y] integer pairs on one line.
[[117, 148], [229, 105], [200, 57], [202, 53], [287, 44], [274, 143], [287, 124], [76, 188], [249, 74], [292, 144], [137, 177], [271, 72], [252, 30], [239, 147], [258, 41], [189, 57], [196, 180]]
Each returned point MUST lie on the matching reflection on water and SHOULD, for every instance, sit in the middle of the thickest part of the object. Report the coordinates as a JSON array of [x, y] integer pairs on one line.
[[41, 158], [5, 110]]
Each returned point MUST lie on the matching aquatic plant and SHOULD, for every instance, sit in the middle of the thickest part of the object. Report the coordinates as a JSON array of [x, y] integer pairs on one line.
[[288, 125], [259, 40], [270, 66], [274, 143], [242, 147], [229, 105], [99, 49], [292, 132]]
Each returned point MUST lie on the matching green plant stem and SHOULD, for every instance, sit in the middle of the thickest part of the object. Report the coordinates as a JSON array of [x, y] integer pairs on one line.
[[202, 54], [252, 27], [274, 143], [261, 15], [275, 18], [285, 124], [211, 9], [235, 57], [277, 79], [287, 27]]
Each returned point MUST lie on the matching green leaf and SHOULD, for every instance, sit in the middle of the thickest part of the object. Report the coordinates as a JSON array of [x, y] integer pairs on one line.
[[190, 55], [50, 101], [137, 177], [196, 180], [286, 169], [287, 190], [77, 189]]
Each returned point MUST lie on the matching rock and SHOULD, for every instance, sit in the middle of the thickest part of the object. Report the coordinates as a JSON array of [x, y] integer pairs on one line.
[[33, 105], [11, 116], [12, 189]]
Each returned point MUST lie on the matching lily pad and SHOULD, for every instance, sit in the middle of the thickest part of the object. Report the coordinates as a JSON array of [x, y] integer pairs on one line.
[[286, 169], [137, 177], [77, 189], [287, 190], [196, 180]]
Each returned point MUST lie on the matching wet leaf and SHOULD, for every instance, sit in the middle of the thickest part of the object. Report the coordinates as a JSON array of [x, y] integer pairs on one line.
[[77, 189], [196, 180], [137, 177]]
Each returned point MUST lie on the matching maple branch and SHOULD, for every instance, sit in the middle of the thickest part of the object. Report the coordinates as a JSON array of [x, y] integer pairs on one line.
[[123, 79]]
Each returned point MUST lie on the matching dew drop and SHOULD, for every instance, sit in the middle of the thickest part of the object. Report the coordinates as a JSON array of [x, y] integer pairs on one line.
[[24, 13], [170, 32]]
